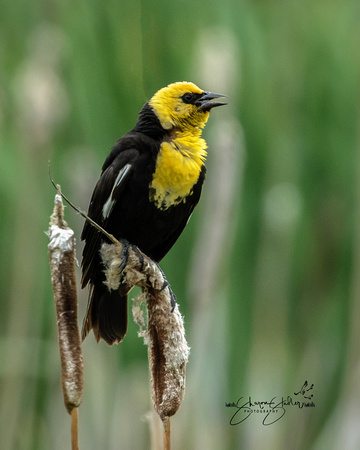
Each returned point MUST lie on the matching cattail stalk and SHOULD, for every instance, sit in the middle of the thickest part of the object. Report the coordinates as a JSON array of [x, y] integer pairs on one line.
[[62, 267], [168, 351]]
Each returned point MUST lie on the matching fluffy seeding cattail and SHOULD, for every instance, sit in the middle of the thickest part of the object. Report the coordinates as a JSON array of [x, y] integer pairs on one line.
[[165, 335], [62, 266]]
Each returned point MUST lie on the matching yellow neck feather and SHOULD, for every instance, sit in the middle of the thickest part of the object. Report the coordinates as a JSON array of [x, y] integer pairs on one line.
[[178, 167]]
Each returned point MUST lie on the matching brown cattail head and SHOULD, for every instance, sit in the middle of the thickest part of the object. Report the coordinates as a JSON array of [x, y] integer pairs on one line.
[[167, 347], [62, 267], [168, 353]]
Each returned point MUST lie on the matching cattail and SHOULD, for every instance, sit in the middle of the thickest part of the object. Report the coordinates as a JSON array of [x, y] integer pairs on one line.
[[62, 267], [165, 336]]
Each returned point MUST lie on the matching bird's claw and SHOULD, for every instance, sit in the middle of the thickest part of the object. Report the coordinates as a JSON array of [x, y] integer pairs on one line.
[[124, 260]]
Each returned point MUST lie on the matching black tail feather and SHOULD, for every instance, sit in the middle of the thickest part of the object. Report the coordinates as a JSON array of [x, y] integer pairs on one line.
[[106, 315]]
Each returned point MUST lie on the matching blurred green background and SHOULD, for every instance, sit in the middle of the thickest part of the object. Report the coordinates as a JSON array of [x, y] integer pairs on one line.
[[267, 273]]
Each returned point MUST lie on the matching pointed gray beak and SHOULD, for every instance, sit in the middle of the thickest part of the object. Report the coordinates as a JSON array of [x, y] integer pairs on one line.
[[205, 102]]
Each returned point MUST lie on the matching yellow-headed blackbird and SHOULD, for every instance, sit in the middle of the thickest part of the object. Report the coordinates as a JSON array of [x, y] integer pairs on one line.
[[150, 183]]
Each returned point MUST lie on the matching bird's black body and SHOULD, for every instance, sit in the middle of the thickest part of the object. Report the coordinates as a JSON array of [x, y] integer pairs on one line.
[[133, 218], [121, 203]]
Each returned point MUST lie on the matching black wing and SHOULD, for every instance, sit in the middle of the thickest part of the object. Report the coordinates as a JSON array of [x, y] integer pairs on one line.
[[116, 171]]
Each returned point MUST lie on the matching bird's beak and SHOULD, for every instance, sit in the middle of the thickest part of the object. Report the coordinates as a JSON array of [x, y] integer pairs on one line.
[[205, 104]]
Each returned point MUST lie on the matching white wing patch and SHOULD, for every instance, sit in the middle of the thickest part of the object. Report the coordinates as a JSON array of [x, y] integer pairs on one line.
[[109, 204]]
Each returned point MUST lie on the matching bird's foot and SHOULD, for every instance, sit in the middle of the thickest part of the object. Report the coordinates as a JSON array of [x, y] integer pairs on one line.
[[165, 285], [124, 260]]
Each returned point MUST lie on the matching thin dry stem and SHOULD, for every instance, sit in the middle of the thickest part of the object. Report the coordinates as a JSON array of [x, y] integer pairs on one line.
[[167, 434], [82, 213], [74, 429]]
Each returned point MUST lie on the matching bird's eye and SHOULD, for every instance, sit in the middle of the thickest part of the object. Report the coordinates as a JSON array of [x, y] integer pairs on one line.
[[188, 98]]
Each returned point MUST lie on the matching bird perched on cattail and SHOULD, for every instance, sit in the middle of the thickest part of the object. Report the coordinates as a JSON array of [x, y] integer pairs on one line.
[[149, 186]]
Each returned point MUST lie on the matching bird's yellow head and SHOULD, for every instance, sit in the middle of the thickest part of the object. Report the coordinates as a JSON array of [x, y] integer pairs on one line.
[[183, 105]]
